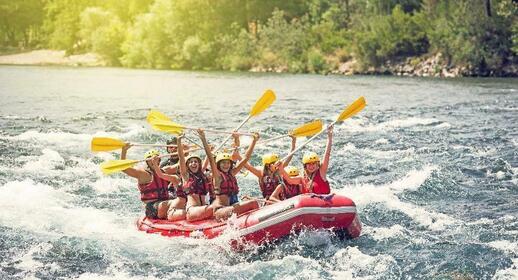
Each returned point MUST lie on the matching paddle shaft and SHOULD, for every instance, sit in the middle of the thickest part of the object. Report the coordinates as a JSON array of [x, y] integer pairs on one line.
[[151, 145], [219, 131], [268, 140], [228, 137], [351, 110], [272, 139], [193, 142], [305, 143], [172, 154]]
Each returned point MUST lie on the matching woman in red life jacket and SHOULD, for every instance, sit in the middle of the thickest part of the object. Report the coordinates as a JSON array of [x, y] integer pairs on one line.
[[287, 190], [225, 183], [195, 184], [314, 180], [154, 191], [269, 177]]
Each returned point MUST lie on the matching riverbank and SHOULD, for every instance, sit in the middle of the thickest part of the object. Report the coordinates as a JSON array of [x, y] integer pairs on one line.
[[424, 66], [429, 66], [51, 57]]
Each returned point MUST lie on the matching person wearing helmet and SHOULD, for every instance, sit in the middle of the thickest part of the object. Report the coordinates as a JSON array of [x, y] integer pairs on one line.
[[171, 164], [314, 180], [195, 184], [224, 181], [287, 190], [269, 177], [154, 190]]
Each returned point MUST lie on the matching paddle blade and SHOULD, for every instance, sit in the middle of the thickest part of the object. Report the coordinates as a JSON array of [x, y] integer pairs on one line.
[[103, 144], [308, 129], [167, 126], [160, 122], [155, 115], [112, 166], [354, 108], [264, 102]]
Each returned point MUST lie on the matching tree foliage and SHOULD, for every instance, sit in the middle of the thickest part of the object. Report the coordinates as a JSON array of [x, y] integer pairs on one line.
[[20, 22], [295, 36]]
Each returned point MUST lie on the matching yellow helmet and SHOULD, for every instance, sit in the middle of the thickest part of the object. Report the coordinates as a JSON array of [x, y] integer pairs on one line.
[[151, 153], [270, 158], [292, 171], [193, 156], [223, 156], [310, 158]]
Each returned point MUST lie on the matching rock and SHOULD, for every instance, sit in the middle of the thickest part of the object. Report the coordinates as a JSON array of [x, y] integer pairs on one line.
[[347, 68]]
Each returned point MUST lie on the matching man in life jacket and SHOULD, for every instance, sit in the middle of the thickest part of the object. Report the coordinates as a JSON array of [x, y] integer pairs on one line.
[[314, 180], [226, 189], [287, 190], [153, 189], [172, 149]]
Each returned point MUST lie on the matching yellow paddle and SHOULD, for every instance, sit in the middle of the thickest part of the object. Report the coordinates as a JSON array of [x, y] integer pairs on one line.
[[161, 122], [104, 144], [112, 166], [348, 112], [155, 116], [169, 126], [307, 129], [260, 105]]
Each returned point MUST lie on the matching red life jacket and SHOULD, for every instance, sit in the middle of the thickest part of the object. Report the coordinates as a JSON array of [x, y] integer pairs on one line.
[[156, 190], [177, 191], [228, 186], [268, 183], [289, 190], [315, 184], [197, 184], [210, 185]]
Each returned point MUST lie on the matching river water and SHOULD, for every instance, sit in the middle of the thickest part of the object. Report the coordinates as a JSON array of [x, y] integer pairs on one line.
[[432, 165]]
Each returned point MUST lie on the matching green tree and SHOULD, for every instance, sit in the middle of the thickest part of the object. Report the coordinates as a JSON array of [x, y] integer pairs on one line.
[[470, 35], [284, 44], [20, 22], [240, 52], [386, 37], [62, 23], [103, 33]]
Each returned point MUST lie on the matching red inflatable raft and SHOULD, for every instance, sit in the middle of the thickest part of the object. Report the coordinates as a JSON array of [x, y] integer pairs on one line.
[[271, 222]]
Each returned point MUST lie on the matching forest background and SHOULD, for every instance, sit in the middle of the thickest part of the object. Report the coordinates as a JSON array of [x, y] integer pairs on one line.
[[402, 37]]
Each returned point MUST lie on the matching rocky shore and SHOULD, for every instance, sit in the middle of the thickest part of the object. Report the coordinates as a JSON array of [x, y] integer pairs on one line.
[[428, 66], [424, 66]]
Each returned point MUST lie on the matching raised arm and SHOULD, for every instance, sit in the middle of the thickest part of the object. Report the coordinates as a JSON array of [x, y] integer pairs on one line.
[[251, 168], [287, 178], [248, 155], [237, 143], [276, 195], [327, 154], [171, 178], [210, 157], [293, 144], [181, 159], [132, 172]]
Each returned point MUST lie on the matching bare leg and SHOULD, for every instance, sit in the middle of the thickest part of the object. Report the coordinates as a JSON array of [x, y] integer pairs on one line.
[[178, 202], [163, 207], [175, 214], [245, 206], [196, 213], [223, 213]]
